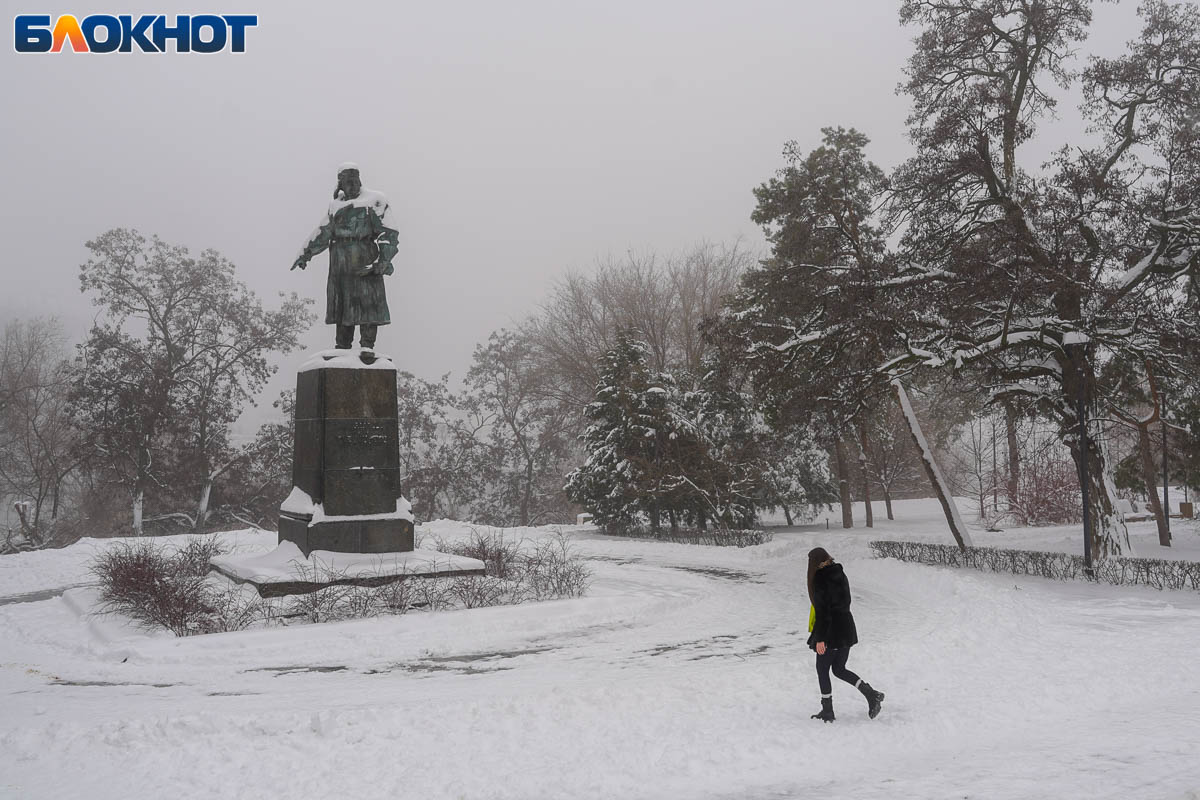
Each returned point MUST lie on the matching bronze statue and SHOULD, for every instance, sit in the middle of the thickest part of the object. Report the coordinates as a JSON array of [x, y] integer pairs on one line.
[[361, 246]]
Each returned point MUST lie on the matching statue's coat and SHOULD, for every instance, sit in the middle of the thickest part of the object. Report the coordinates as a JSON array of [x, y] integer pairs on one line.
[[357, 238]]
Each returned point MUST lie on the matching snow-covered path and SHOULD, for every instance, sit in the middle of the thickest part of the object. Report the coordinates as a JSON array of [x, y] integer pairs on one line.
[[682, 674]]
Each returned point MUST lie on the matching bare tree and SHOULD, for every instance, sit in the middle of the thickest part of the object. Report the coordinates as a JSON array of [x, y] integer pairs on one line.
[[661, 300], [38, 445], [891, 459], [180, 347], [528, 435], [441, 440], [972, 466]]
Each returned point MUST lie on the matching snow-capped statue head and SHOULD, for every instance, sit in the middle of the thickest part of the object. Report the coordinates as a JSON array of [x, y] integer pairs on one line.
[[349, 182]]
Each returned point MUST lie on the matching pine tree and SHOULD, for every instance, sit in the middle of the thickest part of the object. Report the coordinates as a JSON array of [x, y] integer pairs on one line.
[[620, 483]]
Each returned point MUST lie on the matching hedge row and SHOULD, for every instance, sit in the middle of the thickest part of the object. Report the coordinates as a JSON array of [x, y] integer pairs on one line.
[[714, 537], [1060, 566]]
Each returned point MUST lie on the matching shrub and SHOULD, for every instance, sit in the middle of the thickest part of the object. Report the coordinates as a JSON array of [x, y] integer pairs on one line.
[[234, 608], [542, 570], [430, 594], [193, 557], [551, 570], [157, 587], [478, 591], [396, 597], [163, 588], [500, 557], [322, 605]]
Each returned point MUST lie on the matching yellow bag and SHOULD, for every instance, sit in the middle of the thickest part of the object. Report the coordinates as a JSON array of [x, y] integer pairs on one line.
[[812, 617]]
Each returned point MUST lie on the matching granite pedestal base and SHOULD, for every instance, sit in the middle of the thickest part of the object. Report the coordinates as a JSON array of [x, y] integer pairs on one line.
[[346, 459], [285, 570], [350, 535]]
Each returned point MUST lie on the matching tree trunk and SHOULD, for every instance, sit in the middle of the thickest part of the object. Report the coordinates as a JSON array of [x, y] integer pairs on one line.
[[1149, 477], [1110, 537], [887, 502], [843, 470], [138, 498], [1014, 461], [866, 480], [22, 510], [210, 478], [141, 479], [787, 515], [957, 528], [527, 495], [980, 483], [202, 506], [37, 517]]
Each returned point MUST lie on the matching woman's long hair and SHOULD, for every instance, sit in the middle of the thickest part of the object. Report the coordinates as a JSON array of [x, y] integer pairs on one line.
[[816, 557]]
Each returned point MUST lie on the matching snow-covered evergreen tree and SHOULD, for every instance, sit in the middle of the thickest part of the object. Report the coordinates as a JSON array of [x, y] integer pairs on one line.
[[628, 424], [719, 465], [797, 472], [691, 459]]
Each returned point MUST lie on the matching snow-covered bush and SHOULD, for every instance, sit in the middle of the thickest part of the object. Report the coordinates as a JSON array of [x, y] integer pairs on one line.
[[479, 591], [541, 570], [162, 588], [499, 556], [327, 604], [552, 571], [394, 598]]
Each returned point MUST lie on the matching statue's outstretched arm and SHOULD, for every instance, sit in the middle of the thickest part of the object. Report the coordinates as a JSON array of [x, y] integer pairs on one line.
[[318, 242]]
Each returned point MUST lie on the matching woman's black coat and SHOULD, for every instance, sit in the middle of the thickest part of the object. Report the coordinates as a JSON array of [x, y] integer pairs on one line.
[[834, 624]]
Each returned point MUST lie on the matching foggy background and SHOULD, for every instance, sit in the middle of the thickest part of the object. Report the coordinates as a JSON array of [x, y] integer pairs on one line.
[[517, 140]]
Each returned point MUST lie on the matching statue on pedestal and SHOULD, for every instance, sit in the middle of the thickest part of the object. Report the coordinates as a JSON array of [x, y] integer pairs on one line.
[[361, 246], [346, 520]]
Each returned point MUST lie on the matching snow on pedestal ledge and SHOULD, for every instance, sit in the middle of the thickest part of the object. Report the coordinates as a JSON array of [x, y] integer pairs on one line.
[[285, 570], [298, 504], [346, 359]]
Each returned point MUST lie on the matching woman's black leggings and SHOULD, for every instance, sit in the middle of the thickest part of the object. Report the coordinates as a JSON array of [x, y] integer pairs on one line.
[[834, 660]]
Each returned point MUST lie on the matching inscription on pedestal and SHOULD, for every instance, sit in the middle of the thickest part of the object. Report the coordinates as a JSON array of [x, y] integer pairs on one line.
[[361, 443], [364, 433]]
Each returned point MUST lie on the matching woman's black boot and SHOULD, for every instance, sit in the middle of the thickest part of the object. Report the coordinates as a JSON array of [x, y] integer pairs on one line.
[[874, 699], [826, 714]]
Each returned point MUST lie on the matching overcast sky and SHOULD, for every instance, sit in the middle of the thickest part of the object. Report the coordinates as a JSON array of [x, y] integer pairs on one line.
[[517, 139]]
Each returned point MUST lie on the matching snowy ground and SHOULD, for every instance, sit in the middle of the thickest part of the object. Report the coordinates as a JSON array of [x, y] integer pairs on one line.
[[682, 674]]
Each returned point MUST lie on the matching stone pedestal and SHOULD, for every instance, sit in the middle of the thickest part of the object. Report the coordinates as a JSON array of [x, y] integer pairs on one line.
[[285, 570], [346, 459]]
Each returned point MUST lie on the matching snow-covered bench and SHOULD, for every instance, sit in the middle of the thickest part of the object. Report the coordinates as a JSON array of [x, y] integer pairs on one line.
[[1130, 512]]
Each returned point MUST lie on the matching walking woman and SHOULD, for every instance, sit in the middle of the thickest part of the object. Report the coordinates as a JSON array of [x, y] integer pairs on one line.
[[833, 632]]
